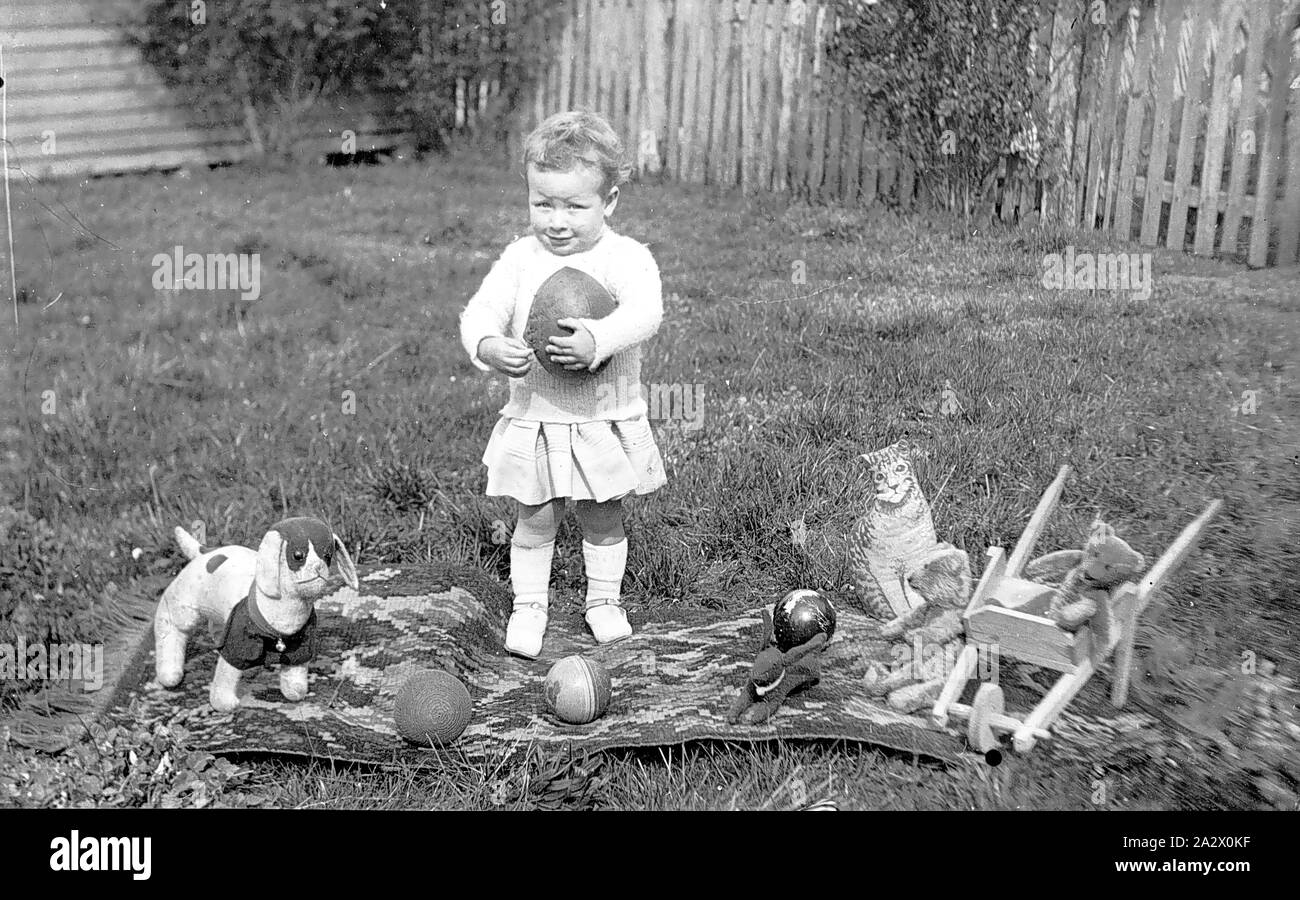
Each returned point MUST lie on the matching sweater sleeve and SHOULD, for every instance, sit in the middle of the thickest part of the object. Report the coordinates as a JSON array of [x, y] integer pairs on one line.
[[490, 310], [640, 310]]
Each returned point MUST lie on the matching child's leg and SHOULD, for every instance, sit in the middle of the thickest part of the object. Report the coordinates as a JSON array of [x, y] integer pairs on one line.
[[531, 549], [604, 550]]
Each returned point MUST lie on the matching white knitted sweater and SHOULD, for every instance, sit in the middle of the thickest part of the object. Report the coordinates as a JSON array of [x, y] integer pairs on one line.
[[500, 308]]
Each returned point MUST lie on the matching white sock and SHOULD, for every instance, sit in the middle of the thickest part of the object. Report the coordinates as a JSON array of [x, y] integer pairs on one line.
[[605, 566], [530, 573]]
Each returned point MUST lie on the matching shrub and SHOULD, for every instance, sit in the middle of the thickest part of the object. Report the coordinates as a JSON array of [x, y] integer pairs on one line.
[[269, 63], [432, 44], [952, 82], [265, 63]]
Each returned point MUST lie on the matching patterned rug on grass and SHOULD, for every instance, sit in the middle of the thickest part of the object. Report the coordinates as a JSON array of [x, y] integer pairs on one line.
[[674, 679]]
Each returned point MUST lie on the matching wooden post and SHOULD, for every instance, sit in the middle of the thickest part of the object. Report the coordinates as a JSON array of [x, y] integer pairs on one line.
[[799, 143], [1288, 218], [581, 42], [632, 62], [631, 51], [1216, 133], [690, 31], [677, 37], [853, 151], [1086, 43], [722, 11], [1246, 137], [870, 161], [835, 86], [1193, 112], [1102, 143], [770, 103], [599, 97], [731, 161], [751, 122], [568, 41], [591, 62], [1270, 149], [1133, 116], [655, 106], [791, 63], [1062, 99], [1158, 152], [820, 104], [620, 65], [705, 24]]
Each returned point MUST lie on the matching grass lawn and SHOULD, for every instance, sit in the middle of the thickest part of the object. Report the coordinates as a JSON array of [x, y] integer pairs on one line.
[[176, 406]]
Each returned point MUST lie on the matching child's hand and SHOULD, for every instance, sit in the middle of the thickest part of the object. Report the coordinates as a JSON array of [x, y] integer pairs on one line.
[[575, 351], [508, 355]]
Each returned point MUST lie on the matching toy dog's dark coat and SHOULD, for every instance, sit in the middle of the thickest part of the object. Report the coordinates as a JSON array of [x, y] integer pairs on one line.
[[249, 641]]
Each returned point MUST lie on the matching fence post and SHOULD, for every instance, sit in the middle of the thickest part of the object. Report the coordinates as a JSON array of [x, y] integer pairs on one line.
[[686, 28], [1193, 112], [1245, 138], [770, 103], [1289, 212], [1158, 153], [791, 75], [1101, 139], [1270, 147], [1216, 133], [1085, 45], [819, 105]]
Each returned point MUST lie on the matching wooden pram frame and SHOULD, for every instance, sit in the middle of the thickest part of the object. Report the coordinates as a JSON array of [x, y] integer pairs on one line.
[[1004, 617]]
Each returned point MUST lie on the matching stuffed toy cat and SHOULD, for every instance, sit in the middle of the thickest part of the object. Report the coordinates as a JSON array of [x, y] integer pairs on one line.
[[897, 563], [906, 576]]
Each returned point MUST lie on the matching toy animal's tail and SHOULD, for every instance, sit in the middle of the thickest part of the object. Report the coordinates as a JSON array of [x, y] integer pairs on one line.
[[189, 543]]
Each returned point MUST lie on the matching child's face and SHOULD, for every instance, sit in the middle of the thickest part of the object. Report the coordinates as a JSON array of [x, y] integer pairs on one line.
[[566, 209]]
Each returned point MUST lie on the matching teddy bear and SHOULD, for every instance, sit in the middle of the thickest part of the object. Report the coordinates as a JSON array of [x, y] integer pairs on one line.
[[928, 639], [1105, 561]]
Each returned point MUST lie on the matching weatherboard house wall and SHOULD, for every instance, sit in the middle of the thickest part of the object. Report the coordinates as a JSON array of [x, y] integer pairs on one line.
[[81, 100]]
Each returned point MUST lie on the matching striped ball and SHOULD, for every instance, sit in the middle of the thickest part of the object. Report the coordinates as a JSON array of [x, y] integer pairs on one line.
[[577, 690], [433, 706]]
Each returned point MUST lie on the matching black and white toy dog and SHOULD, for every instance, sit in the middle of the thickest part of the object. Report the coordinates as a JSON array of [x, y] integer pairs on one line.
[[260, 604]]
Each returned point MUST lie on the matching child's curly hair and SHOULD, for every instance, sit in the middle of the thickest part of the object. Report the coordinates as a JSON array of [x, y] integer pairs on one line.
[[578, 136]]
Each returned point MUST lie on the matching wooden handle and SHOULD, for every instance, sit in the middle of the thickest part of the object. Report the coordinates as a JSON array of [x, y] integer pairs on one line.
[[1154, 580], [1029, 537], [1174, 556]]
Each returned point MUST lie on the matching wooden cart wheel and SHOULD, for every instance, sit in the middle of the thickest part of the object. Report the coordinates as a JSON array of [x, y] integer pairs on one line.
[[988, 703]]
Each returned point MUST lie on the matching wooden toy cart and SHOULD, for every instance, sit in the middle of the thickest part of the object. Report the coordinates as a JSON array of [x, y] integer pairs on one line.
[[1006, 616]]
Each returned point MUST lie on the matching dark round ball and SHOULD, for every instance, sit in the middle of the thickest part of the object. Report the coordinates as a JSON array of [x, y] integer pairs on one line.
[[801, 616], [433, 706]]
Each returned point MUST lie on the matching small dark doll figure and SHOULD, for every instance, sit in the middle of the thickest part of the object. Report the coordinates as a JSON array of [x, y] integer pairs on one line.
[[776, 675]]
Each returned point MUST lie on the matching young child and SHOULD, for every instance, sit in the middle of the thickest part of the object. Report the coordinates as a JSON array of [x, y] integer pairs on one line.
[[586, 439]]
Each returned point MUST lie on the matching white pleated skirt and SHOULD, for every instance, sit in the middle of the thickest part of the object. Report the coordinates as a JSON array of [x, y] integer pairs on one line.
[[534, 462]]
